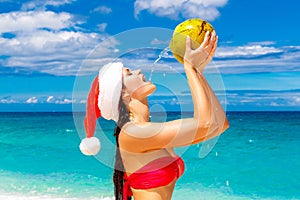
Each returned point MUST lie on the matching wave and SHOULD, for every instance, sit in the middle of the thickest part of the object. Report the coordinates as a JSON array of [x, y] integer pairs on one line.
[[24, 197]]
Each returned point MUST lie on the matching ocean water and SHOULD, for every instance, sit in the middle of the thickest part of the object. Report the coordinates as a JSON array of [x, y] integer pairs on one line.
[[258, 157]]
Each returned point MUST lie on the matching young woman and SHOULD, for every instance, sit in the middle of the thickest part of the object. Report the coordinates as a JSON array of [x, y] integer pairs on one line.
[[146, 166]]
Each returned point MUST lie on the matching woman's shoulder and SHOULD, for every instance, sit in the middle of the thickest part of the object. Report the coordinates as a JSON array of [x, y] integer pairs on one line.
[[133, 135], [141, 130]]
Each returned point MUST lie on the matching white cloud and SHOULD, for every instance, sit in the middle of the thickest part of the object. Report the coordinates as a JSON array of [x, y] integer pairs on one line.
[[228, 59], [7, 101], [247, 101], [264, 98], [64, 101], [205, 9], [82, 101], [103, 10], [297, 99], [102, 27], [29, 21], [45, 42], [47, 45], [257, 58], [157, 41], [59, 52], [41, 99], [274, 104], [38, 4], [264, 43], [50, 99], [32, 100], [245, 51]]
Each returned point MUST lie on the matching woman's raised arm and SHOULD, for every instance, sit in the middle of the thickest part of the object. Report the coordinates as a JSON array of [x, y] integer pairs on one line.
[[209, 118]]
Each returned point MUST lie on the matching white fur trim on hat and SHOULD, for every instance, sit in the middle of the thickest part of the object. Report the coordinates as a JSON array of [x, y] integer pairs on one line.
[[90, 146], [110, 86]]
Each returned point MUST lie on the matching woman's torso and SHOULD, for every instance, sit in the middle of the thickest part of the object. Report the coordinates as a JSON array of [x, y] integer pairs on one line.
[[135, 161]]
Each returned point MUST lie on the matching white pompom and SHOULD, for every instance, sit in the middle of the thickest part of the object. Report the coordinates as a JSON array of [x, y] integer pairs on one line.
[[90, 146]]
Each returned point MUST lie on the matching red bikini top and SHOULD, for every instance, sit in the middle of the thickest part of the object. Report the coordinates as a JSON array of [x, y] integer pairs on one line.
[[157, 173]]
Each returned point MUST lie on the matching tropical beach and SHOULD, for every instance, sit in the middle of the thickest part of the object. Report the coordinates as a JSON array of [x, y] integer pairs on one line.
[[50, 51]]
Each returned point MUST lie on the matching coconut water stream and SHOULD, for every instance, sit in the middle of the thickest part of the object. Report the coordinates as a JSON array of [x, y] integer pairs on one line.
[[163, 53]]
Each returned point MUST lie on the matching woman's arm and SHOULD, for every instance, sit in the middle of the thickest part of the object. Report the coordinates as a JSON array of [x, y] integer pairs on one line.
[[218, 122], [141, 137], [214, 111]]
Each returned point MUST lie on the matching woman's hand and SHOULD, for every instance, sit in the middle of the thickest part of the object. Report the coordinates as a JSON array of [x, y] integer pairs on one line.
[[201, 56]]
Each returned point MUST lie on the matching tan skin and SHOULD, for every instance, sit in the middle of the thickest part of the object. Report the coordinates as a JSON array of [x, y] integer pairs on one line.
[[142, 141]]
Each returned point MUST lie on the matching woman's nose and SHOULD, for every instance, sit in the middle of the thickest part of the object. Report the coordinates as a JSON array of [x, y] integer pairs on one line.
[[138, 71]]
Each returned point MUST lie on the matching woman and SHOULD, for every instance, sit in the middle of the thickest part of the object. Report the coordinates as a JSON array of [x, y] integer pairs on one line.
[[146, 165]]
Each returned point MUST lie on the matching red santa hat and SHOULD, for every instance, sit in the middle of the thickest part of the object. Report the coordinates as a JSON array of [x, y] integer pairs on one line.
[[103, 101]]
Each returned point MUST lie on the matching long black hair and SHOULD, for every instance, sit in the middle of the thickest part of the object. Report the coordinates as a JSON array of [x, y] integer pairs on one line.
[[118, 176]]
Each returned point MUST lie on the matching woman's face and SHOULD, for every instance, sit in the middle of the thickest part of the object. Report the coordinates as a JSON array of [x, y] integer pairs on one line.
[[135, 84]]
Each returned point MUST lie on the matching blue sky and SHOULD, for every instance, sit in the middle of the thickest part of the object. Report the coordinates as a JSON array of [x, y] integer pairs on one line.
[[44, 44]]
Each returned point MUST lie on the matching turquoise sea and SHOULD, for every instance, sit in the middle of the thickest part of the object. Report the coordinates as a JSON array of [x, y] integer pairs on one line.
[[258, 157]]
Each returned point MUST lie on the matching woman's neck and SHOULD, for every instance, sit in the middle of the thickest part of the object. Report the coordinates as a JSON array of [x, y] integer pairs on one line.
[[139, 110]]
